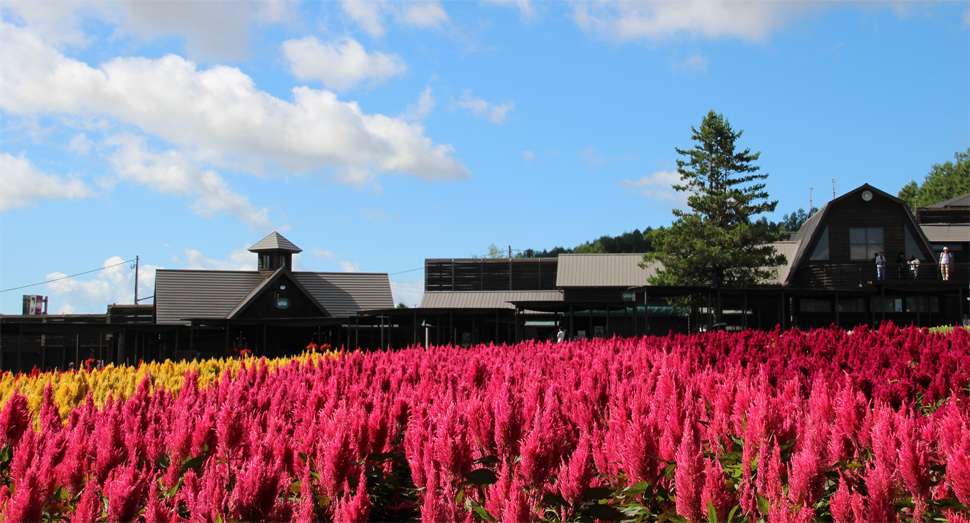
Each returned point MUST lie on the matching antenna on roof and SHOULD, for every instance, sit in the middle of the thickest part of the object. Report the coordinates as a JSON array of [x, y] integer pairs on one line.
[[810, 205], [833, 188]]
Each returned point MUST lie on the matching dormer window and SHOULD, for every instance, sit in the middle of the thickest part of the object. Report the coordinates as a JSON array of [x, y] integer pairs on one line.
[[865, 242], [264, 262]]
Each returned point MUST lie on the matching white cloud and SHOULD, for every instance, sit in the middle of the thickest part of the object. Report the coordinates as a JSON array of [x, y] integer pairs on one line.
[[592, 157], [217, 111], [693, 62], [323, 253], [417, 112], [22, 184], [370, 14], [492, 112], [80, 143], [341, 64], [408, 292], [528, 156], [658, 186], [374, 215], [526, 8], [239, 260], [423, 14], [658, 20], [212, 30], [350, 266], [114, 284], [367, 14], [171, 172]]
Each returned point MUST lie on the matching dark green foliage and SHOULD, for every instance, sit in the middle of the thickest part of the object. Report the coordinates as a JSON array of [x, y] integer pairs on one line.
[[717, 243], [944, 181], [628, 242]]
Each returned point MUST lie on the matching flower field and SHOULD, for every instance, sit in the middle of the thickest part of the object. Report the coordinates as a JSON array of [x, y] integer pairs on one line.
[[753, 426]]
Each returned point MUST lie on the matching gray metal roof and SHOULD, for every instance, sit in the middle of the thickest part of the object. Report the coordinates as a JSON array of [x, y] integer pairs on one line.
[[184, 294], [483, 299], [275, 242], [942, 233], [960, 201], [345, 293], [181, 295], [602, 270], [789, 250]]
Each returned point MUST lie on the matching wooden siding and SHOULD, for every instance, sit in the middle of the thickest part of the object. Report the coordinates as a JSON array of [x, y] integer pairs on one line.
[[490, 274], [849, 212]]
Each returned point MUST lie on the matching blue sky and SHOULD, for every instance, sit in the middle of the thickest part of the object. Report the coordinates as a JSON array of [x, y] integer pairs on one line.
[[377, 134]]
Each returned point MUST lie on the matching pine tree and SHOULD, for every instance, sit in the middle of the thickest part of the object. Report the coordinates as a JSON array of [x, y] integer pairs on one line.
[[716, 243]]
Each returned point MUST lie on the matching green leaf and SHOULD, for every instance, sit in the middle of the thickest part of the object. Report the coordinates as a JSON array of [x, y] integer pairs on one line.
[[597, 493], [731, 514], [763, 505], [638, 488], [483, 514], [487, 460], [603, 512], [193, 463], [552, 498], [711, 512], [303, 457], [381, 456], [481, 477]]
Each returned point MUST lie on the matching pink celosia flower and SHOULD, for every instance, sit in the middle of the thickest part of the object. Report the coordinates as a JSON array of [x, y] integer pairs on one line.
[[88, 508], [357, 508], [716, 491], [14, 419], [125, 490], [688, 476]]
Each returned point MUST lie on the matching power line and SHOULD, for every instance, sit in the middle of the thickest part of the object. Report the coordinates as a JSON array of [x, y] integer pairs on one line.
[[409, 270], [66, 277]]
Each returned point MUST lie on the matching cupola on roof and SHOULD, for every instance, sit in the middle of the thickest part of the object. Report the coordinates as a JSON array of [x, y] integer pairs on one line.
[[275, 242]]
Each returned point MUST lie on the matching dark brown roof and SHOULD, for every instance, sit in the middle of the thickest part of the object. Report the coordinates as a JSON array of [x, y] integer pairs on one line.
[[181, 295], [275, 242]]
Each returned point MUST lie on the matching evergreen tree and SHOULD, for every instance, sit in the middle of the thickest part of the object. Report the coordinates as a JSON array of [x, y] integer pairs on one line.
[[944, 181], [716, 243]]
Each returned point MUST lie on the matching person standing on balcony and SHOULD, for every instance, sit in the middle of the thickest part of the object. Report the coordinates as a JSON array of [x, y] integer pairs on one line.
[[901, 266], [945, 260], [913, 266], [880, 266]]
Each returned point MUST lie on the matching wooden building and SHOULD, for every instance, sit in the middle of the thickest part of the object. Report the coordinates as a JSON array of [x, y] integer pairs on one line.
[[829, 278]]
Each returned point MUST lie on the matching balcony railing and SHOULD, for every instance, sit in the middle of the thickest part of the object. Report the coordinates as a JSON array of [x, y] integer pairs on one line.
[[858, 275]]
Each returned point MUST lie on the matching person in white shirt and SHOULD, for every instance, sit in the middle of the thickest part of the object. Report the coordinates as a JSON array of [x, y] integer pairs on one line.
[[561, 337], [880, 266], [914, 266], [945, 260]]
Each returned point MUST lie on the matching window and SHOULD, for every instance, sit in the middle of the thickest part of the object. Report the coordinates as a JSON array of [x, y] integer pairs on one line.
[[282, 260], [821, 251], [265, 264], [912, 248], [864, 243], [852, 305], [814, 305], [924, 304], [888, 304]]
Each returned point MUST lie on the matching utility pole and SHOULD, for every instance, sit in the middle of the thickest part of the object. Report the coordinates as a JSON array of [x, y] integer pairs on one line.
[[833, 188], [136, 280]]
